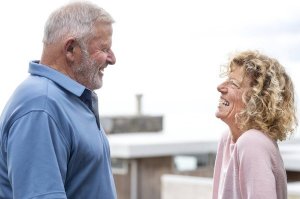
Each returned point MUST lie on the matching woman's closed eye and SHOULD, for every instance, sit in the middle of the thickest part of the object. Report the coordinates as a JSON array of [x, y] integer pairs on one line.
[[233, 83]]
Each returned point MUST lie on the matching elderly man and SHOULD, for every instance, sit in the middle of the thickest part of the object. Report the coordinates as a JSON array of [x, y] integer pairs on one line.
[[52, 143]]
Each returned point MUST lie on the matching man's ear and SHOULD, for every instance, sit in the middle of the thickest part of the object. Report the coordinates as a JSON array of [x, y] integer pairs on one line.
[[69, 49]]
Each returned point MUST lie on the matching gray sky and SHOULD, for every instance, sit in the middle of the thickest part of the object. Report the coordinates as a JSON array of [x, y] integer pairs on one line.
[[168, 50]]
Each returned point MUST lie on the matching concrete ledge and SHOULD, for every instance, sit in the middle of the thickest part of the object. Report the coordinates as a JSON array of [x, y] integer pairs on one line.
[[294, 190], [187, 187], [147, 144]]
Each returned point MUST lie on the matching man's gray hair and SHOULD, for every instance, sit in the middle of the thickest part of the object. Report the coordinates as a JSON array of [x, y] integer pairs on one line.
[[76, 20]]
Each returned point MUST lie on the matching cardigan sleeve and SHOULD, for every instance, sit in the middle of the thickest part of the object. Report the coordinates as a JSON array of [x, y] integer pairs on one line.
[[254, 155]]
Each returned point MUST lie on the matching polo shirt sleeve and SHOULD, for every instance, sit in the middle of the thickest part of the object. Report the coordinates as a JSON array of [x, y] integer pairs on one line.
[[37, 155], [256, 176]]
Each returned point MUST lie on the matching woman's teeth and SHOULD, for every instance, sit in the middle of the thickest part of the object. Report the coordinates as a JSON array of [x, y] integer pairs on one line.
[[224, 102]]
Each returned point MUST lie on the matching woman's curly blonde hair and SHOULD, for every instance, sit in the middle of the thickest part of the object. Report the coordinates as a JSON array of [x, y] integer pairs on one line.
[[270, 102]]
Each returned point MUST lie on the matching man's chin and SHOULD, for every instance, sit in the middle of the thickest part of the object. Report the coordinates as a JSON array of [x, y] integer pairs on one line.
[[97, 85]]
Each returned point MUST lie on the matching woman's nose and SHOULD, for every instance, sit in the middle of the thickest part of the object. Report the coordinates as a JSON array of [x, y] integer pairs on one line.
[[222, 87]]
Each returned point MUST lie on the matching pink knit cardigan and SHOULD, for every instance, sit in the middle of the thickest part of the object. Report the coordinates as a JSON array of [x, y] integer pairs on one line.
[[251, 168]]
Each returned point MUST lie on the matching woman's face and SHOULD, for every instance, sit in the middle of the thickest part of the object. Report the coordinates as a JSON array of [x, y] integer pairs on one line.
[[232, 90]]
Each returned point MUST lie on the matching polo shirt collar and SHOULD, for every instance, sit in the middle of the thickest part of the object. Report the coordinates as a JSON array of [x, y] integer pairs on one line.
[[59, 78]]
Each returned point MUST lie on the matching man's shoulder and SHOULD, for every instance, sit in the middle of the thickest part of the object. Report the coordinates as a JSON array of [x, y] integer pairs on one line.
[[32, 90], [35, 93]]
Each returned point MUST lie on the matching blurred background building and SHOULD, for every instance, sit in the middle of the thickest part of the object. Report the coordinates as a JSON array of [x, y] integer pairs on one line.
[[151, 164]]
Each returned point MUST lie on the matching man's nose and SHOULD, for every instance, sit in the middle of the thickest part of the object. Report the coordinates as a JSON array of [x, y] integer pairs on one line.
[[111, 59]]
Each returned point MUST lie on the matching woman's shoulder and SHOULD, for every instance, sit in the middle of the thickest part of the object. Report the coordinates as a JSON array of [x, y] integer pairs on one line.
[[254, 135], [255, 140]]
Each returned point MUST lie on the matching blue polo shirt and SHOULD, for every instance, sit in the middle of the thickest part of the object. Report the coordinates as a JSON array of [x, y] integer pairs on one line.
[[51, 145]]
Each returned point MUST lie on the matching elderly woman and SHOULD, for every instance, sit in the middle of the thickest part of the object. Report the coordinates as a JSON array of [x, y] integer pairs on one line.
[[257, 104]]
